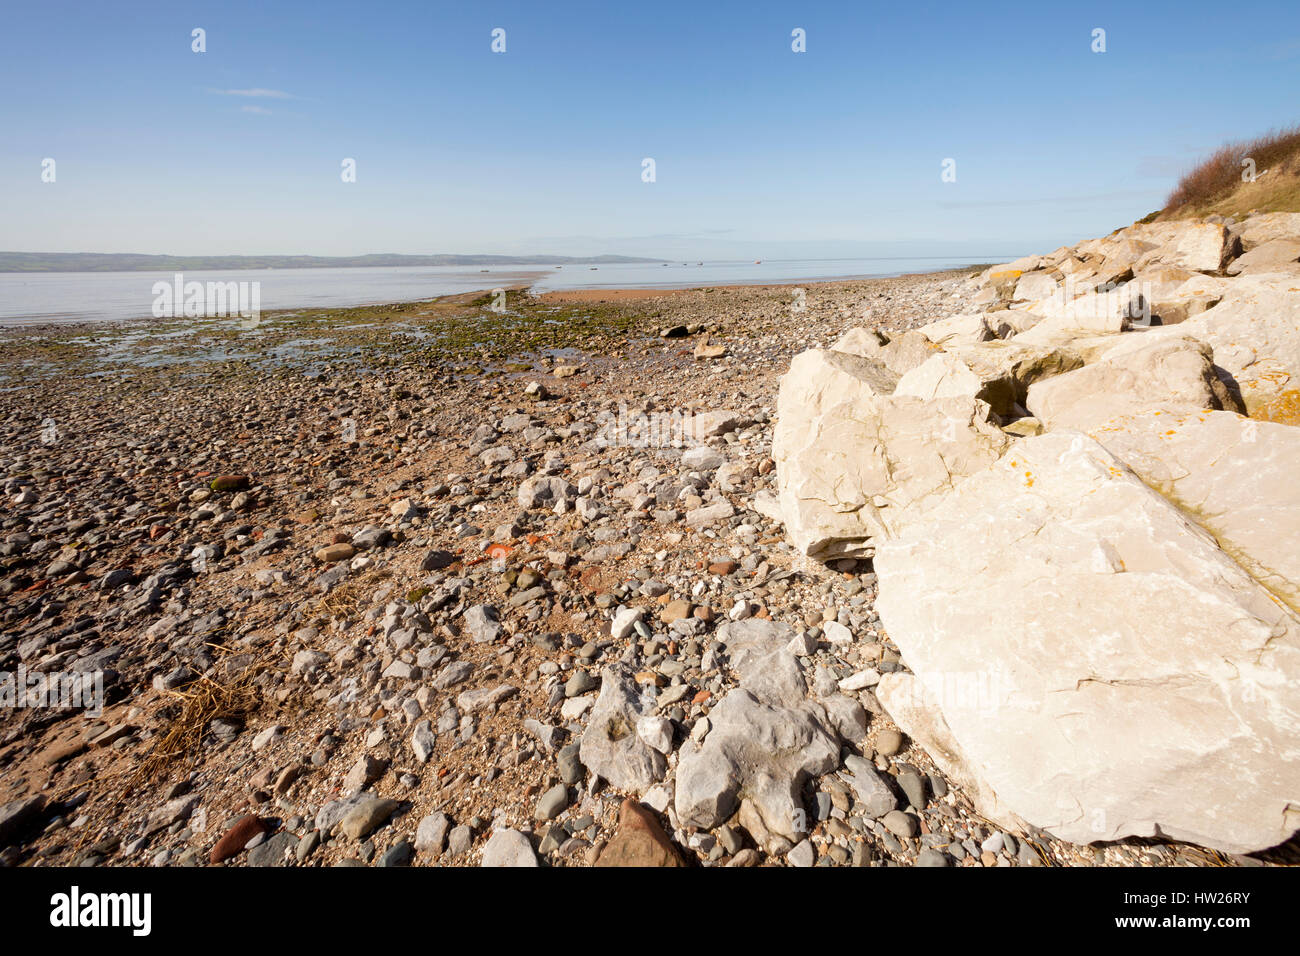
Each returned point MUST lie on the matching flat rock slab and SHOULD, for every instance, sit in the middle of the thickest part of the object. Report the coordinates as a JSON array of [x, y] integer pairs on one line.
[[1101, 667], [1176, 373], [1235, 477]]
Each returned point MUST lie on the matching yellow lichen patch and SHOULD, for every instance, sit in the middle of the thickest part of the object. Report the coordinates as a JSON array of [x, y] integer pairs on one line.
[[1284, 408]]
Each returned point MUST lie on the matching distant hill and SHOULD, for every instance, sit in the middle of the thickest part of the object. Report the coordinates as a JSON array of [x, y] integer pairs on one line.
[[131, 262]]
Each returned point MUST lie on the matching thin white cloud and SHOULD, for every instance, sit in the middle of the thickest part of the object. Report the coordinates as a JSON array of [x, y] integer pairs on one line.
[[258, 92], [259, 110]]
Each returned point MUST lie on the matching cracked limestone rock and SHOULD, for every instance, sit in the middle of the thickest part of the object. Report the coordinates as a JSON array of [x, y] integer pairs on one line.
[[611, 748], [766, 738], [851, 461], [1090, 661]]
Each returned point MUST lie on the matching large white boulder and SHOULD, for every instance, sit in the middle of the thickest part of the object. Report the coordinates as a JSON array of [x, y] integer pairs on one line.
[[1093, 313], [1255, 334], [1008, 368], [1233, 476], [1266, 227], [1192, 244], [1172, 301], [847, 471], [1102, 668], [1276, 255], [1176, 374], [898, 353], [965, 329], [1034, 285]]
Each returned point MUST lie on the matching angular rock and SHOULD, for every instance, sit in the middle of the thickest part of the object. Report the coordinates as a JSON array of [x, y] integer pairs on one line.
[[893, 355], [542, 491], [364, 772], [1255, 334], [873, 794], [1274, 255], [1140, 683], [610, 746], [1034, 285], [171, 812], [274, 851], [1268, 227], [705, 425], [508, 848], [431, 834], [482, 623], [639, 841], [485, 698], [766, 738], [1093, 313], [1200, 246], [423, 741], [848, 474], [702, 458], [1173, 373], [709, 514], [966, 329]]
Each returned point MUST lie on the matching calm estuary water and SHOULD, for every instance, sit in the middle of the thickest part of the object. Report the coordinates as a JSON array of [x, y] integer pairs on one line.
[[37, 298]]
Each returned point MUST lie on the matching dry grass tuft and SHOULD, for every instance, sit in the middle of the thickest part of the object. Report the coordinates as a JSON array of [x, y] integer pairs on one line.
[[200, 703], [343, 600], [1220, 174]]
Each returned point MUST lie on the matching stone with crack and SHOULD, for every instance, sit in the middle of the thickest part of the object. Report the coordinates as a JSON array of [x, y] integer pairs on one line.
[[1134, 680], [611, 747], [766, 737], [848, 473]]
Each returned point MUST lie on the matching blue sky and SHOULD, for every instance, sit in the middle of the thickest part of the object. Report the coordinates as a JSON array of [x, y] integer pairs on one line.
[[758, 150]]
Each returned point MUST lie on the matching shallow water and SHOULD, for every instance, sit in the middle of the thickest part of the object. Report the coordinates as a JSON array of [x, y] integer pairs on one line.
[[37, 298], [677, 275]]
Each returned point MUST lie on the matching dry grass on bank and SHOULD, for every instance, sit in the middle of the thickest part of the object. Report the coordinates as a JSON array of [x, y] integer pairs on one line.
[[1216, 184]]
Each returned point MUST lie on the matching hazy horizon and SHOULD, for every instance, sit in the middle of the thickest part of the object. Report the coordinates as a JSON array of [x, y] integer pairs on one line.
[[716, 251]]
